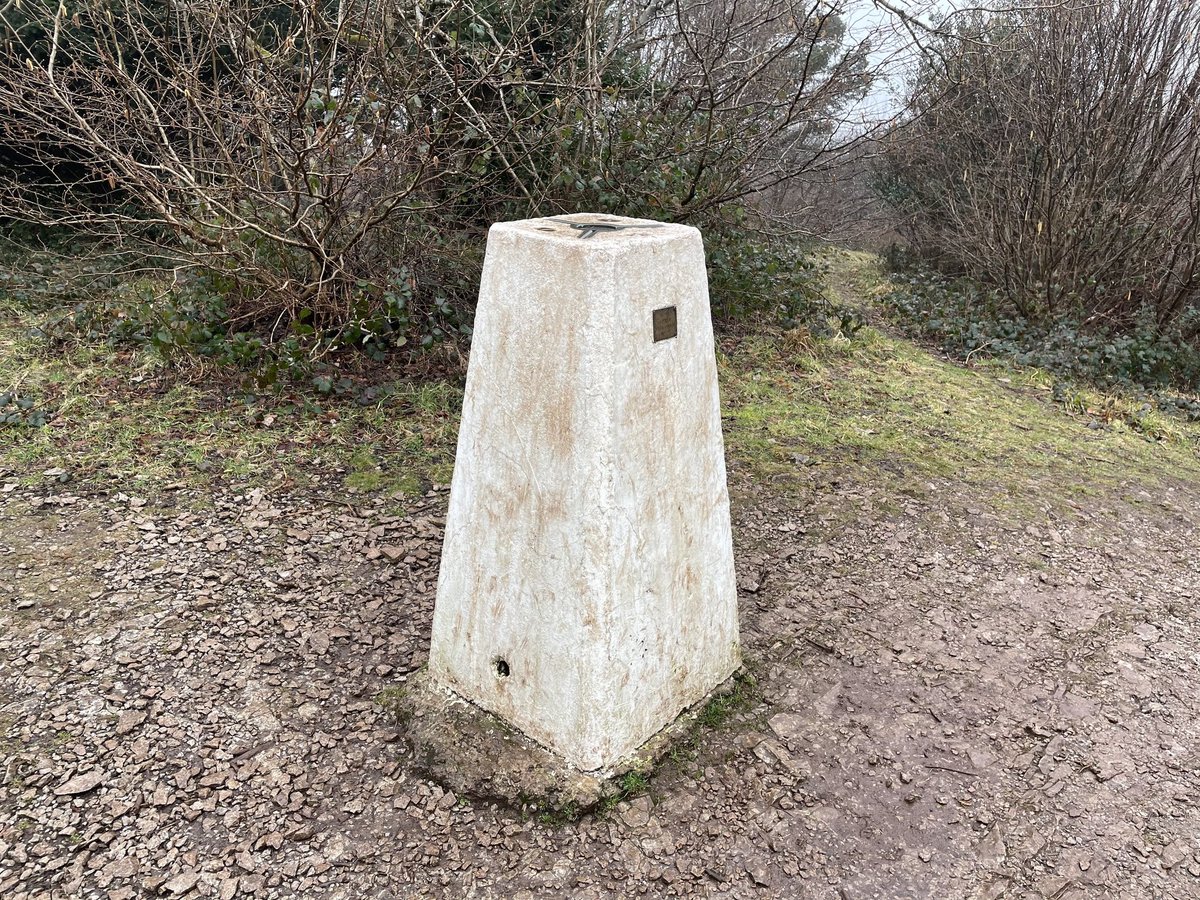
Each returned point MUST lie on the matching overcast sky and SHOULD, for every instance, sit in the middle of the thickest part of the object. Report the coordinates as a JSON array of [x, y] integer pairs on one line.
[[893, 53]]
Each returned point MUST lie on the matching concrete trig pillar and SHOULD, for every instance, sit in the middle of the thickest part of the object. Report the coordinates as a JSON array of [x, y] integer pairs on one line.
[[587, 592]]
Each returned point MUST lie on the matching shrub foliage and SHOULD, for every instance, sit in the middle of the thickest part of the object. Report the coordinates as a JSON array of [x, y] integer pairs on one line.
[[309, 169], [968, 320], [1053, 152]]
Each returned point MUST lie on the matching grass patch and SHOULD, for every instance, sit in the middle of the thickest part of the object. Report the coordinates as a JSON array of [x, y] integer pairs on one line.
[[854, 277], [884, 402], [567, 814], [719, 710], [632, 784], [791, 399], [628, 786], [395, 702], [121, 416], [718, 713], [369, 473]]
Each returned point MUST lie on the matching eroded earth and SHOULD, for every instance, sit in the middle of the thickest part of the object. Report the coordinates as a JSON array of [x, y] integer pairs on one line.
[[958, 696]]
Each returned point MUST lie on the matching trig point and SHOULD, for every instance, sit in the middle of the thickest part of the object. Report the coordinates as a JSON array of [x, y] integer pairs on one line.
[[587, 593]]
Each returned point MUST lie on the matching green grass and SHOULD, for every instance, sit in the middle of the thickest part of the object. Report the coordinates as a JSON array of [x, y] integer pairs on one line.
[[873, 405], [883, 403], [123, 416], [369, 474], [718, 713], [567, 814], [720, 709], [395, 702], [631, 784], [628, 786]]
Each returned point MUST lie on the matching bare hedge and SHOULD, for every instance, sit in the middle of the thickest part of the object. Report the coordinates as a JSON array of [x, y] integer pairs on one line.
[[1054, 151], [320, 161]]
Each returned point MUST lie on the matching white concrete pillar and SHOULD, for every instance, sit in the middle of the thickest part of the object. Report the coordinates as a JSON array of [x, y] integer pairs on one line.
[[587, 592]]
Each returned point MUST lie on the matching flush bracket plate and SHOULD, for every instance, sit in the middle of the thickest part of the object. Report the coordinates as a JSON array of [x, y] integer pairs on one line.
[[666, 323]]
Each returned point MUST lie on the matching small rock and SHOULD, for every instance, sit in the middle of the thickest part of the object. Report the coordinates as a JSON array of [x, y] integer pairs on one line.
[[318, 642], [308, 710], [787, 725], [181, 883], [125, 867], [81, 784], [129, 720], [635, 813], [759, 872], [992, 851], [1175, 853]]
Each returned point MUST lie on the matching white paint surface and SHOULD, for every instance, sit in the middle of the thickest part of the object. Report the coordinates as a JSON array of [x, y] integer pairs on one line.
[[588, 540]]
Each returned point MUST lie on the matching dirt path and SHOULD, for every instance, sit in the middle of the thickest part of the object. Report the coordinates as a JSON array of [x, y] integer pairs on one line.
[[953, 702]]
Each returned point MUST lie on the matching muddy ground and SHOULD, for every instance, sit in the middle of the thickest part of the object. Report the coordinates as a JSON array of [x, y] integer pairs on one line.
[[957, 697]]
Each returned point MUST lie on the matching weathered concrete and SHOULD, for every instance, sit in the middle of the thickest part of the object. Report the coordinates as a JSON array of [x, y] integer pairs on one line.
[[587, 591], [474, 753]]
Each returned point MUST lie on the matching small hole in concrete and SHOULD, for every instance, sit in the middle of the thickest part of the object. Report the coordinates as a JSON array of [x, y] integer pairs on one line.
[[545, 228], [502, 669]]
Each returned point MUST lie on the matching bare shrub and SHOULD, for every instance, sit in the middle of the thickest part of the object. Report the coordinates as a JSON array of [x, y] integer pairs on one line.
[[327, 162], [1053, 151]]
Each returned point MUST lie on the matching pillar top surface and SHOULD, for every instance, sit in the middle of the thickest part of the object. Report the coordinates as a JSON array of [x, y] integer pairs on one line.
[[595, 230]]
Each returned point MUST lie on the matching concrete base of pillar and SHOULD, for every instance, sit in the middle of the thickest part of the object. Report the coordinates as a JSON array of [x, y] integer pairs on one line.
[[475, 754]]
